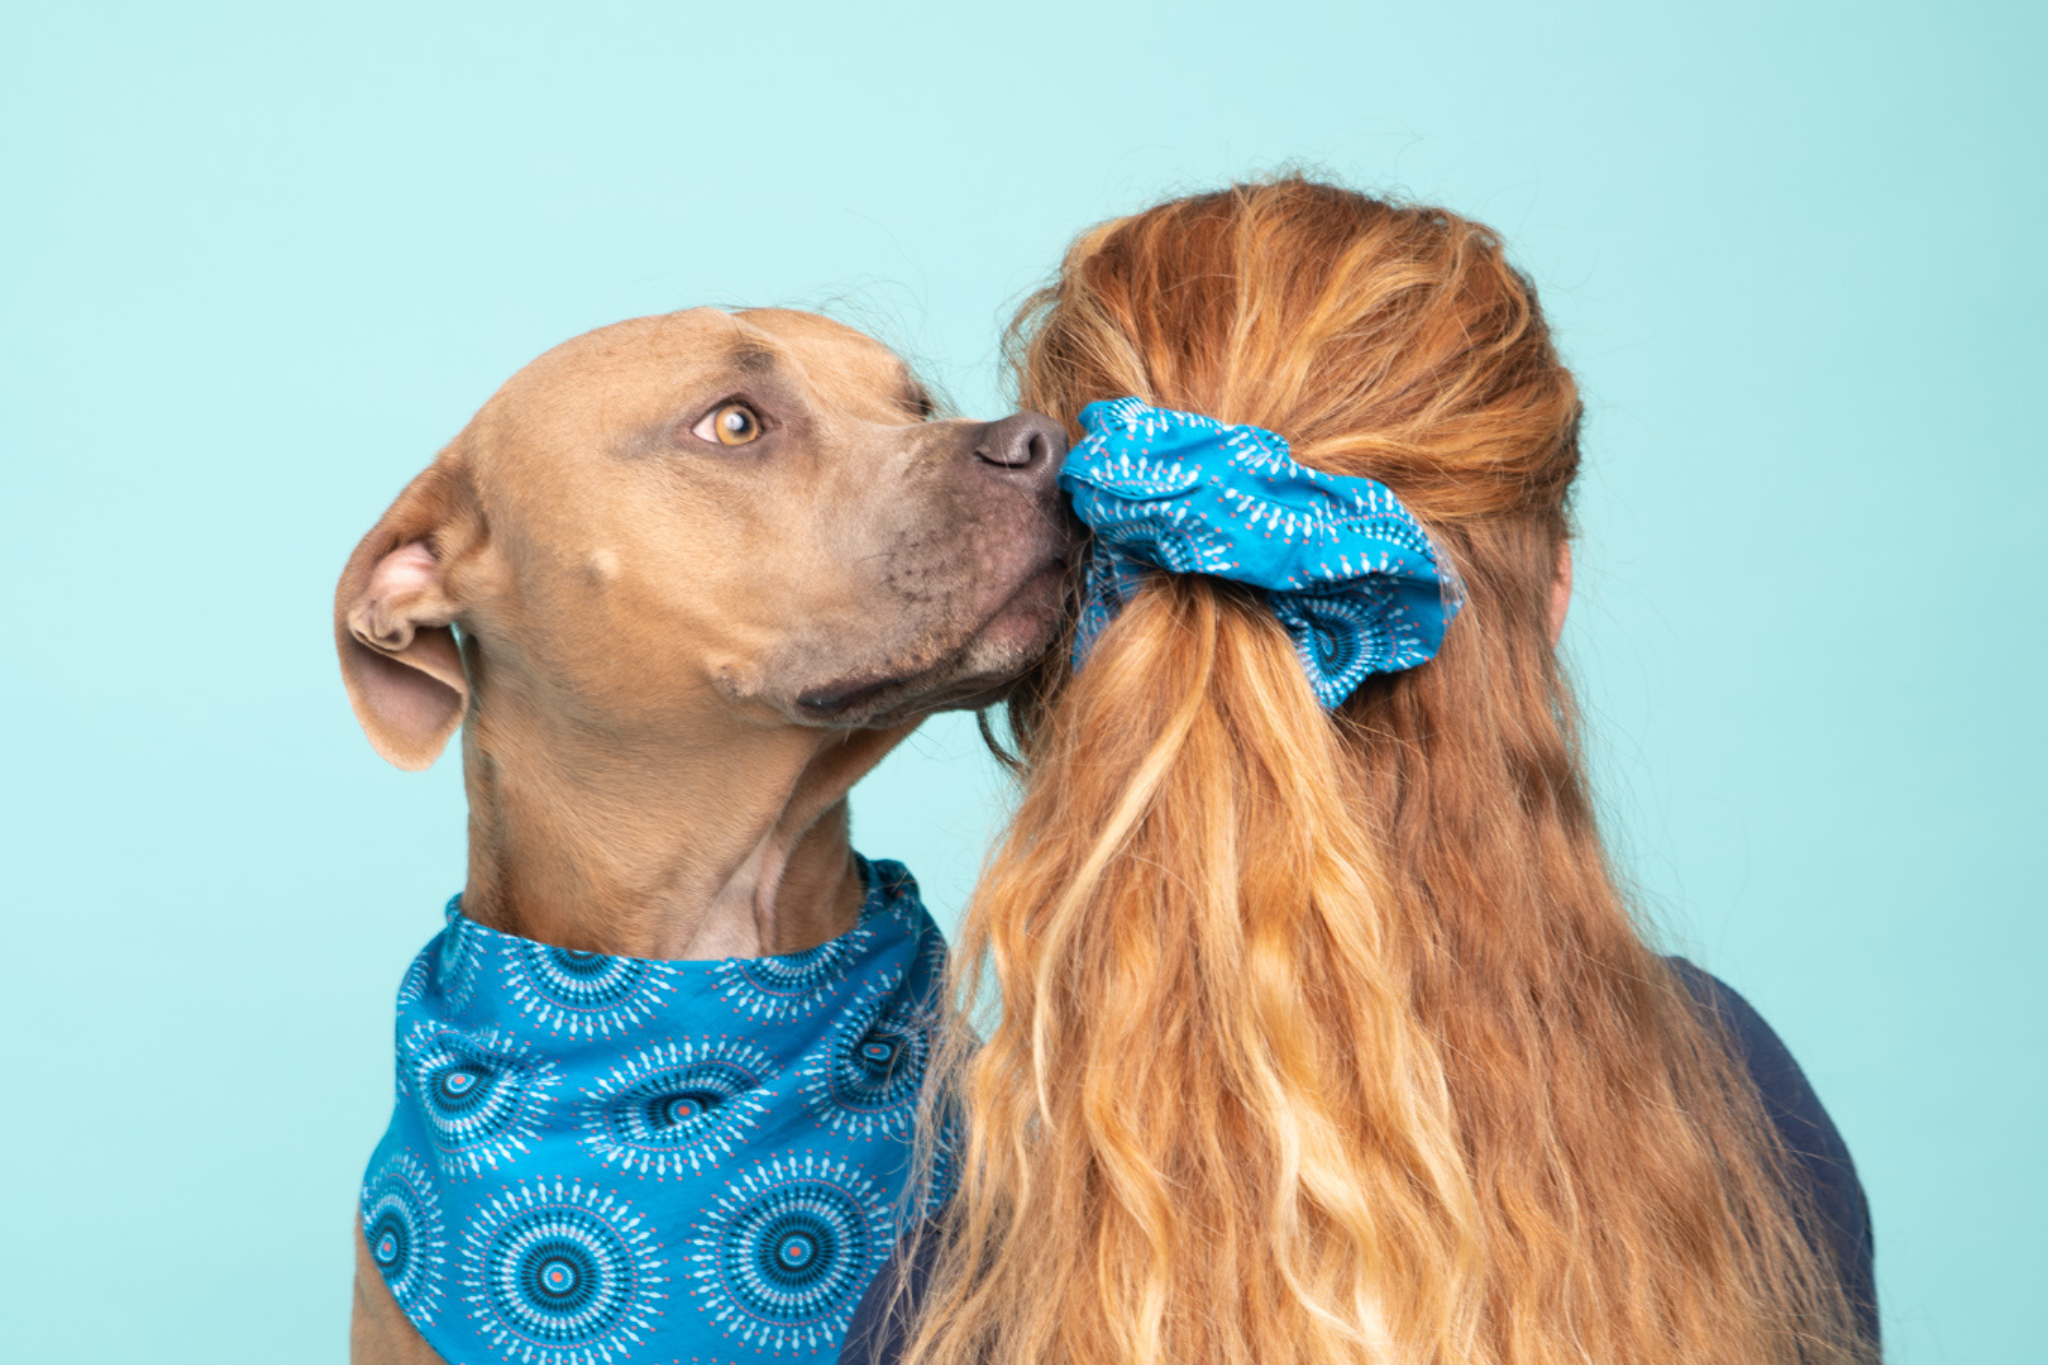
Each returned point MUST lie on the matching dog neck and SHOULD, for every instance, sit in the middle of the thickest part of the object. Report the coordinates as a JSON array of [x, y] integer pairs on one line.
[[728, 842]]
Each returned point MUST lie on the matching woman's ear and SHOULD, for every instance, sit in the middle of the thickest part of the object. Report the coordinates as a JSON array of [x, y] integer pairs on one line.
[[1560, 591], [392, 616]]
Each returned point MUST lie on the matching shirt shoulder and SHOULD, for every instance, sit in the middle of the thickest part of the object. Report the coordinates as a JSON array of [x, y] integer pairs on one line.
[[1803, 1125]]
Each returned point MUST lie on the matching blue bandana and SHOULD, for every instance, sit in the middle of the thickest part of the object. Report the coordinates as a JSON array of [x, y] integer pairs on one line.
[[1346, 567], [607, 1160]]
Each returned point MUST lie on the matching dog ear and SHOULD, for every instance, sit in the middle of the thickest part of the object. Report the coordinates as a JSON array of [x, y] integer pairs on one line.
[[392, 616]]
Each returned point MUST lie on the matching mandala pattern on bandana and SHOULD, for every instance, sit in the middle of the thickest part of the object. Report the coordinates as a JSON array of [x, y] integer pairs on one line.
[[677, 1105], [1348, 569], [403, 1228], [895, 894], [774, 990], [559, 1115], [781, 1259], [929, 974], [416, 977], [561, 1273], [484, 1094], [868, 1079], [587, 994], [458, 959]]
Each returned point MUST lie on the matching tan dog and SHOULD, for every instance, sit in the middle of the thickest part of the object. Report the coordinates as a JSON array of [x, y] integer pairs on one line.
[[706, 570]]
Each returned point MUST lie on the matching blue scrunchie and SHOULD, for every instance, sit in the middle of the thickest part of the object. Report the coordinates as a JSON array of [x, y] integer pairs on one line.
[[1346, 567]]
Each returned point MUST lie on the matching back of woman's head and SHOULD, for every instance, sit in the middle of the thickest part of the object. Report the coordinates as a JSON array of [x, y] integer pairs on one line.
[[1322, 1035], [1380, 340]]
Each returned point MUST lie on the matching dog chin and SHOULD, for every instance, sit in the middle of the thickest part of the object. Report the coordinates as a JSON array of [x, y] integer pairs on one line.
[[978, 672]]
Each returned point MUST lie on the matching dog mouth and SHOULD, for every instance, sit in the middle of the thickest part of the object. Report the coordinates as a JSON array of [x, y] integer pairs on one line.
[[828, 703], [880, 698]]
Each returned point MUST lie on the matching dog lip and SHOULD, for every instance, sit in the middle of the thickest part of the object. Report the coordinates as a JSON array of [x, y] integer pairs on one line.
[[843, 697]]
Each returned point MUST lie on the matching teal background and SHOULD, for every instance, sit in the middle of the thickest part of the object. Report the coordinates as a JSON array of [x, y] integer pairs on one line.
[[258, 262]]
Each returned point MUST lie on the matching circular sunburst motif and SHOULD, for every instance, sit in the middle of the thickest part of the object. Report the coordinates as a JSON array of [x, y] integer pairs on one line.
[[677, 1105], [781, 1260], [402, 1226], [591, 994], [415, 983], [895, 893], [483, 1094], [1342, 639], [561, 1273], [458, 958], [778, 989], [866, 1082], [931, 958]]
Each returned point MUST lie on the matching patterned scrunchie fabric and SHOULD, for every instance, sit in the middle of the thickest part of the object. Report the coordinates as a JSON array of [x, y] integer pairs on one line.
[[1346, 567]]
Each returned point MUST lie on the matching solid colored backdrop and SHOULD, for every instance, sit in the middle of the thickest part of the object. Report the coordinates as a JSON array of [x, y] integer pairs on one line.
[[258, 262]]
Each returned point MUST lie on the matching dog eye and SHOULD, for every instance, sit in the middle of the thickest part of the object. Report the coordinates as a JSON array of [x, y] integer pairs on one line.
[[731, 424]]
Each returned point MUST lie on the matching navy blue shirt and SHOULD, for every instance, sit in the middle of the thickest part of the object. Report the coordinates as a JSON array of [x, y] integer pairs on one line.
[[1808, 1133]]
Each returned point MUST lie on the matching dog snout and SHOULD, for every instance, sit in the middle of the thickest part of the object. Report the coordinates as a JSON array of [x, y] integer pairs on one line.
[[1024, 442]]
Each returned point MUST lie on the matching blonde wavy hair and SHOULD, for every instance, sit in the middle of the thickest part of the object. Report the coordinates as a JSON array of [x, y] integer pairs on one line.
[[1319, 1037]]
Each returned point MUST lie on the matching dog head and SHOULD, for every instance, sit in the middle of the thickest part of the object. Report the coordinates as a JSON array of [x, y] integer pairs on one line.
[[705, 514]]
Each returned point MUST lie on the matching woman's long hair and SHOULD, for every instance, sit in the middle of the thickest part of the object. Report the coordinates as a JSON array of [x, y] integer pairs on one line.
[[1326, 1037]]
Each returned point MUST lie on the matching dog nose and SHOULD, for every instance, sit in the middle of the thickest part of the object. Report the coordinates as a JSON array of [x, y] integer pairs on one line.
[[1022, 441]]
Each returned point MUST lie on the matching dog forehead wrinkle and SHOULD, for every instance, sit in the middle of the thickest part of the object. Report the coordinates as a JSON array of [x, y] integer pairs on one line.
[[752, 358]]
